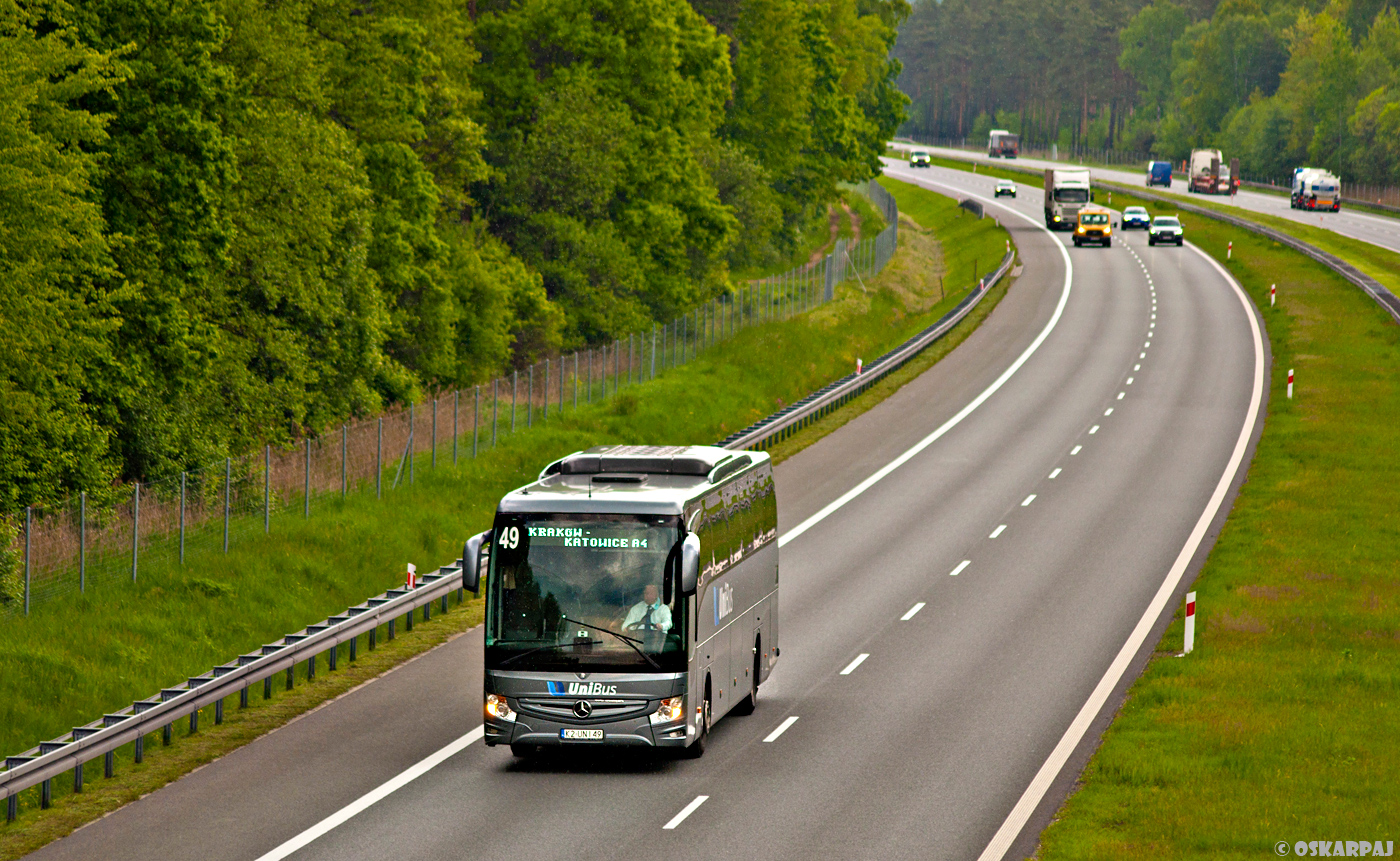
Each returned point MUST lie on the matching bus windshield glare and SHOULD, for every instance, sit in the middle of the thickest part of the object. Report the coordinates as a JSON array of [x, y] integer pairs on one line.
[[583, 593]]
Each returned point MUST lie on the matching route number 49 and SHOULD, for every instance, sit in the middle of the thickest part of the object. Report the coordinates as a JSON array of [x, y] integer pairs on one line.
[[510, 537]]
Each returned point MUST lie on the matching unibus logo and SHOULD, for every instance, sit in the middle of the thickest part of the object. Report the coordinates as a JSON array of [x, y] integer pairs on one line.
[[724, 601], [580, 689]]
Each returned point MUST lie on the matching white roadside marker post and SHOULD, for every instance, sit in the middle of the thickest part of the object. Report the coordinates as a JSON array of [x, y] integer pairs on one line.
[[1290, 383], [1272, 290], [1229, 250], [1190, 639]]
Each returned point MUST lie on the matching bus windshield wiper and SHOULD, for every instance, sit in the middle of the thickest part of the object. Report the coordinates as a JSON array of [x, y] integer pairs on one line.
[[623, 637], [552, 646]]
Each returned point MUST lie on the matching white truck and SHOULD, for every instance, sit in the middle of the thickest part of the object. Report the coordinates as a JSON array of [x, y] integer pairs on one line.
[[1315, 188], [1066, 192], [1208, 173], [1003, 144]]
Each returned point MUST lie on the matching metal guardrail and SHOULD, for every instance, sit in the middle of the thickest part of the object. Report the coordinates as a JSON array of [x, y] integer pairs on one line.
[[793, 418], [1373, 288], [50, 759]]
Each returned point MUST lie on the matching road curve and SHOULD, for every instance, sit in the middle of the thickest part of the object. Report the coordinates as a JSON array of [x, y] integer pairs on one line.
[[1090, 464], [1378, 230]]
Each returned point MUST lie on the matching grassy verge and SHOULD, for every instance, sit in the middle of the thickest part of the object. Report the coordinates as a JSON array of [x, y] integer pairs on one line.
[[1281, 726], [72, 661]]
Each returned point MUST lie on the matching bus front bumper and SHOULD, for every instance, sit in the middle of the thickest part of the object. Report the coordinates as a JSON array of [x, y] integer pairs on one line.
[[532, 730]]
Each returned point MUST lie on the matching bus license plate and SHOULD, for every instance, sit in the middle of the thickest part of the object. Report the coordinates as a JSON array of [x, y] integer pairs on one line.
[[581, 734]]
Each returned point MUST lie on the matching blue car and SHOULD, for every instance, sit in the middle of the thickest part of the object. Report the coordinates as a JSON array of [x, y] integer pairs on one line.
[[1136, 216]]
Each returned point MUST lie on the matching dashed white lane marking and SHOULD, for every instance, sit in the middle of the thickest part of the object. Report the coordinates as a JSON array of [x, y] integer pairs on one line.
[[1094, 429], [1120, 395], [1130, 381], [1074, 734], [685, 811], [1142, 355], [1056, 472], [1146, 345], [860, 659], [999, 530], [1028, 500], [1137, 367], [783, 727], [1076, 449], [961, 566], [384, 790], [1108, 412], [912, 610]]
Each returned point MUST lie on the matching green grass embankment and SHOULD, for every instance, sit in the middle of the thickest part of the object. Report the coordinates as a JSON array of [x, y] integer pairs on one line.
[[1281, 726], [73, 660]]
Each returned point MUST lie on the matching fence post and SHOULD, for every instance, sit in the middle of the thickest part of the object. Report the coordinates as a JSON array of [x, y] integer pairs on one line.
[[344, 460], [432, 437], [561, 384], [135, 526], [544, 416], [182, 518], [575, 381], [495, 408], [456, 398], [28, 526], [530, 397], [379, 461], [228, 475], [476, 414], [652, 374], [514, 394], [82, 541], [267, 489], [306, 490]]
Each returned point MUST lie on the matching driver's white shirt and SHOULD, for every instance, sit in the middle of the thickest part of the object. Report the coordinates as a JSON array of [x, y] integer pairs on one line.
[[660, 616]]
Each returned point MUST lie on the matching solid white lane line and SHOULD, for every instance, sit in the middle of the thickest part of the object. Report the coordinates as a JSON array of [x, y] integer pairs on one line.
[[961, 566], [976, 402], [783, 727], [1094, 429], [999, 530], [364, 802], [1040, 784], [912, 610], [686, 811], [860, 659], [1056, 472], [1076, 449], [1028, 500]]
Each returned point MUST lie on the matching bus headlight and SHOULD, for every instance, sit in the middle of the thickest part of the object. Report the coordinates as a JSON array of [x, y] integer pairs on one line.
[[671, 710], [498, 708]]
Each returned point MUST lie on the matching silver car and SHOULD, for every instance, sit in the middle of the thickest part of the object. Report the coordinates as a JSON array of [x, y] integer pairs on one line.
[[1165, 228]]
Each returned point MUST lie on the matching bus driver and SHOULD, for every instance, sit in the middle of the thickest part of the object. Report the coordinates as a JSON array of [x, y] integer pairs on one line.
[[649, 614]]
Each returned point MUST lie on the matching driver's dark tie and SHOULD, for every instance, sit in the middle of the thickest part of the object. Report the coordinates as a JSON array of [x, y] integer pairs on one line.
[[646, 621]]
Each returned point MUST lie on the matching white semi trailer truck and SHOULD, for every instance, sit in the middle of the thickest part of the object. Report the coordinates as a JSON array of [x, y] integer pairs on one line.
[[1066, 192]]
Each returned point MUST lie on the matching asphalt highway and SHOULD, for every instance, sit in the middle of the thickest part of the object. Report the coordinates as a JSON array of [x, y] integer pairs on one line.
[[946, 630], [1375, 229]]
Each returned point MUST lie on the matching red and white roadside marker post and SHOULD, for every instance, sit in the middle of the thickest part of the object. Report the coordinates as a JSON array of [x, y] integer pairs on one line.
[[1229, 250], [1273, 288], [412, 580], [1190, 638], [1290, 383], [859, 366]]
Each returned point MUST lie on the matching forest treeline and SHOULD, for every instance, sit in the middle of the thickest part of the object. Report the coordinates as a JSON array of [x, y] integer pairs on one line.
[[230, 221], [1276, 84]]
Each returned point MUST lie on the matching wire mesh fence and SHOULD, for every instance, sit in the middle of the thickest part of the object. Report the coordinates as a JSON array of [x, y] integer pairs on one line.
[[70, 547]]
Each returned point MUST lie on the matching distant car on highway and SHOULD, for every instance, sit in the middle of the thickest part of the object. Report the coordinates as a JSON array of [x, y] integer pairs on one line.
[[1005, 186], [1165, 228], [1095, 225], [1136, 216], [919, 158]]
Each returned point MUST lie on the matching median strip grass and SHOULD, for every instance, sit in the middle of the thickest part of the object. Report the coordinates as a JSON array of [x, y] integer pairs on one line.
[[1280, 726], [72, 660]]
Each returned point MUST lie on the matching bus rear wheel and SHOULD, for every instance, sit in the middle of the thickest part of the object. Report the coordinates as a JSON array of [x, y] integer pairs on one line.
[[749, 703]]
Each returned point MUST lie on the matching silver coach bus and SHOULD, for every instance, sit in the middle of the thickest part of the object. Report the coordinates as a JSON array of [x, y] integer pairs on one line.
[[631, 598]]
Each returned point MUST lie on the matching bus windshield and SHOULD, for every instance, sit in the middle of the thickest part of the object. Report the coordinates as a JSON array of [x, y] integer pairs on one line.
[[583, 593]]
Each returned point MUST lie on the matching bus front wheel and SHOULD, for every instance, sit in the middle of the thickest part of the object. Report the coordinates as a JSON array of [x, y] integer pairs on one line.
[[702, 731]]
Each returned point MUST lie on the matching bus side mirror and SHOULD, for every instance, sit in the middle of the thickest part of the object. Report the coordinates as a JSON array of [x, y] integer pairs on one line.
[[471, 561], [690, 564]]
